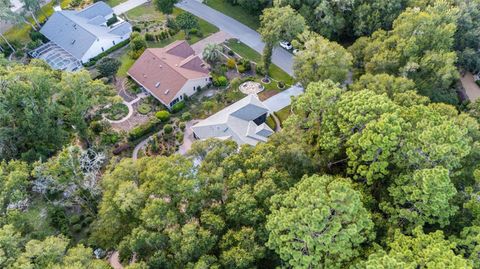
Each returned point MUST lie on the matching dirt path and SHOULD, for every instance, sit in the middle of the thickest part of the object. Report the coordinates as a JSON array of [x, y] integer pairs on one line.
[[471, 88], [114, 261]]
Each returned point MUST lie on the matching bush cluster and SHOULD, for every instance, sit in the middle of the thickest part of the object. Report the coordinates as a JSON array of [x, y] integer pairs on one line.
[[178, 107], [143, 129]]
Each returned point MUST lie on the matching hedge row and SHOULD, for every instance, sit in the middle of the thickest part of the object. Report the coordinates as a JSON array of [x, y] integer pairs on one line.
[[94, 60], [143, 129]]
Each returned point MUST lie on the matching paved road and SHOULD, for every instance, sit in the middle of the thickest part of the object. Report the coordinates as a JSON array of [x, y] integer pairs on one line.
[[281, 57], [283, 99], [126, 6]]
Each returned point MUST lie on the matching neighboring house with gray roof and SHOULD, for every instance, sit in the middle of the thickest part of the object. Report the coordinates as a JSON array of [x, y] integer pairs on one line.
[[81, 34], [243, 122]]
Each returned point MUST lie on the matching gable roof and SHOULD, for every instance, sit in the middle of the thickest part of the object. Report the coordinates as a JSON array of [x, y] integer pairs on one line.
[[164, 71], [76, 31], [236, 122]]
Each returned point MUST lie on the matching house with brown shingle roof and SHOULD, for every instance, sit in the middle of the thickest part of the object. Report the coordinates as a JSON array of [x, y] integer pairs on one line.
[[171, 72]]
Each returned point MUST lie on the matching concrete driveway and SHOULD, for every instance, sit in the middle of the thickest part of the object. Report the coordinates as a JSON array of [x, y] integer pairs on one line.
[[217, 38], [283, 99], [250, 37], [126, 6]]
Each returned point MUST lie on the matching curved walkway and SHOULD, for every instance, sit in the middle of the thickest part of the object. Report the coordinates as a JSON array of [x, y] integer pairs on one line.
[[140, 145], [130, 108]]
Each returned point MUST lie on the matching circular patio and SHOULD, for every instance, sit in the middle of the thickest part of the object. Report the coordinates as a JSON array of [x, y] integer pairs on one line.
[[250, 87]]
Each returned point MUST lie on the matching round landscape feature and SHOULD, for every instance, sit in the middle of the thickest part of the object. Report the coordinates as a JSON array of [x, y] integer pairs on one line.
[[250, 87]]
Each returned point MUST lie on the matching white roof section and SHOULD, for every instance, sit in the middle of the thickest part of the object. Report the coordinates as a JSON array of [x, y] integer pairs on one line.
[[236, 122], [76, 31]]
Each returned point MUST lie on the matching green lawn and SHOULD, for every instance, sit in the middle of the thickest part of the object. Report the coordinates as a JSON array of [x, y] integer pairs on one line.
[[145, 11], [245, 51], [113, 3], [283, 114], [236, 12], [19, 32], [127, 62]]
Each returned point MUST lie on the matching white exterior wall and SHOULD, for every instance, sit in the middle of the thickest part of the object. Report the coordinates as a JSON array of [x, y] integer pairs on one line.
[[187, 89], [96, 47]]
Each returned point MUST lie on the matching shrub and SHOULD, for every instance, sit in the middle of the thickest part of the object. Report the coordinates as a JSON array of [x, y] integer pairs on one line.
[[168, 129], [149, 37], [186, 116], [143, 129], [163, 115], [260, 69], [178, 107], [105, 53], [478, 82], [75, 219], [193, 31], [135, 28], [182, 126], [179, 137], [76, 228], [199, 34], [230, 63], [35, 36], [34, 44], [231, 53], [220, 81], [112, 20], [241, 68], [281, 84], [144, 108], [171, 23]]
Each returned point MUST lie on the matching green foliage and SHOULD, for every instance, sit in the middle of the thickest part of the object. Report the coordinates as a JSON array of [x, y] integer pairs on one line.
[[163, 115], [186, 116], [144, 108], [178, 107], [165, 6], [427, 59], [278, 23], [168, 129], [186, 21], [319, 222], [417, 251], [220, 81], [108, 67], [138, 44], [211, 53], [143, 129], [230, 63], [321, 60]]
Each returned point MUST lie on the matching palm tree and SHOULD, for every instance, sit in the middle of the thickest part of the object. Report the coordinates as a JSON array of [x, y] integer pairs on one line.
[[211, 53]]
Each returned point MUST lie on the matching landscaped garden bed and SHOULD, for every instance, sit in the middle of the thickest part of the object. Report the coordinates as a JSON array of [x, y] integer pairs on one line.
[[116, 111]]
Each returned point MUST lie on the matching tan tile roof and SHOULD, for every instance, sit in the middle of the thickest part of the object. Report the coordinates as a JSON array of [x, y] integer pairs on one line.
[[164, 71]]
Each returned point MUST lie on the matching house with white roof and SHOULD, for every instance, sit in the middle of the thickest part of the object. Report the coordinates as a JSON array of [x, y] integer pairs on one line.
[[78, 36], [243, 122]]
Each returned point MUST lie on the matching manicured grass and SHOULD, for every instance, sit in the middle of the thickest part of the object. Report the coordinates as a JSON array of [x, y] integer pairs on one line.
[[145, 11], [236, 12], [283, 114], [245, 51], [127, 62], [113, 3], [271, 122], [19, 32]]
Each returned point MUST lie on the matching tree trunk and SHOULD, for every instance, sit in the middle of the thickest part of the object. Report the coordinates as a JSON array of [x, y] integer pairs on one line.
[[31, 24], [35, 19], [8, 43]]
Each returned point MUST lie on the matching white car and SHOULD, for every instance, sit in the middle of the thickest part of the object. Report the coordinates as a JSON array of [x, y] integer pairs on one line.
[[286, 45]]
